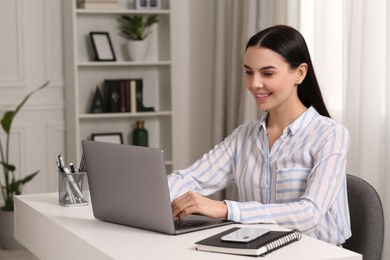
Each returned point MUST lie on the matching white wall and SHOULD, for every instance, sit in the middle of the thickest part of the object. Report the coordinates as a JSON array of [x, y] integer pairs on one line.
[[30, 54], [193, 23]]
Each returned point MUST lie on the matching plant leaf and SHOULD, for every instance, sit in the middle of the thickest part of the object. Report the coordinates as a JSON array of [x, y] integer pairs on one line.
[[10, 167], [29, 177], [151, 20], [136, 27], [16, 186], [7, 120], [8, 117]]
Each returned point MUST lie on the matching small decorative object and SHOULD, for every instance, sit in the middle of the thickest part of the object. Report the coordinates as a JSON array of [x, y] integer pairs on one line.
[[135, 29], [147, 4], [115, 138], [97, 105], [154, 4], [139, 98], [102, 46], [140, 134], [10, 185]]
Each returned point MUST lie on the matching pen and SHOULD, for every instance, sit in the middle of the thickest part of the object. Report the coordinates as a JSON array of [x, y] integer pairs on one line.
[[82, 164], [61, 160], [72, 169]]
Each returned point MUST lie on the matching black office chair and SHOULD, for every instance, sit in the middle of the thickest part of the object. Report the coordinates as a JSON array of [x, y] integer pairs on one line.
[[367, 220]]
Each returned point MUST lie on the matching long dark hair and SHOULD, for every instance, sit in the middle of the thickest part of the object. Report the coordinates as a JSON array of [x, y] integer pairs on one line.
[[290, 44]]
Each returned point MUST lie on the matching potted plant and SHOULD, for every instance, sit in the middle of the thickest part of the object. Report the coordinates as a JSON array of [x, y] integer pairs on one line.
[[135, 29], [10, 186]]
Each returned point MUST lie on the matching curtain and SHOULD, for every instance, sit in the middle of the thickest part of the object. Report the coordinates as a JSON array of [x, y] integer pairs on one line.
[[367, 96], [236, 22]]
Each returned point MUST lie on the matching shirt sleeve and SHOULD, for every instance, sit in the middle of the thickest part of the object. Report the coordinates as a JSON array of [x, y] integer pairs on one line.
[[211, 173]]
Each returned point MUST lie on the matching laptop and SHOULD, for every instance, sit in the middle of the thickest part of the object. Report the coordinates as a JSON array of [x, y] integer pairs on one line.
[[128, 185]]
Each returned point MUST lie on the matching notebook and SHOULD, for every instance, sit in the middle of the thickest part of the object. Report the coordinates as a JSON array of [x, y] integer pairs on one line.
[[128, 185], [261, 246]]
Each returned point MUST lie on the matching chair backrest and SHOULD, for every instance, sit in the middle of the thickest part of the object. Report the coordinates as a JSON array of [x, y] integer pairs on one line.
[[367, 220]]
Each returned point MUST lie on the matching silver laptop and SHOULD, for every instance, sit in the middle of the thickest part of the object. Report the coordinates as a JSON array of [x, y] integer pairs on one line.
[[128, 185]]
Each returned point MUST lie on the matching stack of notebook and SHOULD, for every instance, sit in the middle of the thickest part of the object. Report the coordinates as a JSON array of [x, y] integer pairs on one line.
[[260, 246]]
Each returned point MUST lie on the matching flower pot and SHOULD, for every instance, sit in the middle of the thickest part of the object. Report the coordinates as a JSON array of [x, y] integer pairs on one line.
[[7, 240], [137, 50]]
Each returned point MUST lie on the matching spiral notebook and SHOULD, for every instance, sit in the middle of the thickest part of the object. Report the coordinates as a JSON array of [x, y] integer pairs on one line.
[[261, 246]]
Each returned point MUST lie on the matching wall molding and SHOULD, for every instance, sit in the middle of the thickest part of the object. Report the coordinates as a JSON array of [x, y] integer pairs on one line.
[[33, 107], [20, 80]]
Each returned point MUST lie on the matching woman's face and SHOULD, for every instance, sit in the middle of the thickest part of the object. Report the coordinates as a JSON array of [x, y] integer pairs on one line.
[[271, 80]]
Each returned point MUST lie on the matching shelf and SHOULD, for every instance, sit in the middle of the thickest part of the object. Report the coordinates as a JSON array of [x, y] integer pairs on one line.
[[121, 11], [123, 63], [83, 75], [125, 115]]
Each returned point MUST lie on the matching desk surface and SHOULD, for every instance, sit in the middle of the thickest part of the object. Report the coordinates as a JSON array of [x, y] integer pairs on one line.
[[52, 231]]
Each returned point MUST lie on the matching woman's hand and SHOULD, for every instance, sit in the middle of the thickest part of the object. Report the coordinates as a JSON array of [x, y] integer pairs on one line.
[[193, 203]]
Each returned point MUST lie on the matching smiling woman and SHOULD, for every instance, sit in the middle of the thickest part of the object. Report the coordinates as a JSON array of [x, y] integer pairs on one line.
[[289, 165]]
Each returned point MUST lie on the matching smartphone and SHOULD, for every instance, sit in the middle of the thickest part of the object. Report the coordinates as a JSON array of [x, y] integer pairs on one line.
[[245, 235]]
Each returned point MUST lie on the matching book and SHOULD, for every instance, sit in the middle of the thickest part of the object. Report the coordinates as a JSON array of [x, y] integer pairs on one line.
[[260, 246], [112, 96], [133, 96], [124, 95]]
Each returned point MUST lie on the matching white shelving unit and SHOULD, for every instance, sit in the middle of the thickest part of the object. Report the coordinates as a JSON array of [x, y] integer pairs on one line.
[[82, 75]]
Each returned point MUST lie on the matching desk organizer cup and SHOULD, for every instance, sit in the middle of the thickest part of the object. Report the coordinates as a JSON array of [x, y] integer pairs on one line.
[[73, 188]]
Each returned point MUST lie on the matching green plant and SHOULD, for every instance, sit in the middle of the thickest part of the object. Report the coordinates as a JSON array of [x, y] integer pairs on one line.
[[11, 185], [136, 27]]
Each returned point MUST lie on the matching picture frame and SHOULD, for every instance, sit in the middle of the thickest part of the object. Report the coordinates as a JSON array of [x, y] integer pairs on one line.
[[102, 46], [147, 4], [115, 137]]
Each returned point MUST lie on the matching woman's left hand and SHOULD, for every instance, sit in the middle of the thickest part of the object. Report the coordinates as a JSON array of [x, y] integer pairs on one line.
[[193, 203]]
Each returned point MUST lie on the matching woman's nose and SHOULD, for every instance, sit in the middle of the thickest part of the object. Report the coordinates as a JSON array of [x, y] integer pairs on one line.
[[257, 83]]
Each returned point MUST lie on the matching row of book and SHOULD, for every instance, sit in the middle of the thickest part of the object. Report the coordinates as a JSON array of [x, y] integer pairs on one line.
[[97, 4], [120, 96]]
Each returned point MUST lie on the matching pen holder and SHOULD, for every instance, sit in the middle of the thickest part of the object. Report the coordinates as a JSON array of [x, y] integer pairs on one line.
[[73, 189]]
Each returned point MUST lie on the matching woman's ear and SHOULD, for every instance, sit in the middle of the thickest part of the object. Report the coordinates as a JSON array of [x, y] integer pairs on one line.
[[301, 72]]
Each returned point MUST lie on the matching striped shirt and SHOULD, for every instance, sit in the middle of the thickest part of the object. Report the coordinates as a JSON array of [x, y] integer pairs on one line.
[[299, 183]]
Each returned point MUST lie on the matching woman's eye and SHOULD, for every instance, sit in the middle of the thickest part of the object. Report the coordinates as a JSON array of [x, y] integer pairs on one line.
[[248, 72], [267, 74]]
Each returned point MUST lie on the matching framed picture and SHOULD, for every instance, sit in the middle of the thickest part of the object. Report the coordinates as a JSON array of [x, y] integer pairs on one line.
[[102, 46], [115, 138], [147, 4]]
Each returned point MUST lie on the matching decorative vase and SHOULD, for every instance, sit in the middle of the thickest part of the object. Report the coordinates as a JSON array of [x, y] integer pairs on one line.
[[140, 134], [137, 50], [7, 240]]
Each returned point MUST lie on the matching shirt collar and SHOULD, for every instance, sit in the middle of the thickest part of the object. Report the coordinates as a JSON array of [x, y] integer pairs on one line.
[[300, 123]]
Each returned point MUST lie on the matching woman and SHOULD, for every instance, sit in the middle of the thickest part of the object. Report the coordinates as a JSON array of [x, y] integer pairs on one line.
[[289, 166]]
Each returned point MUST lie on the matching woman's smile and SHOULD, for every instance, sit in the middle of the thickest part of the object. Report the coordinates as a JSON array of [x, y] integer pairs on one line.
[[261, 97]]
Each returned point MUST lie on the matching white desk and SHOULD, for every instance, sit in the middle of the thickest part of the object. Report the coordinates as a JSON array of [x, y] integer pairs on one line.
[[51, 231]]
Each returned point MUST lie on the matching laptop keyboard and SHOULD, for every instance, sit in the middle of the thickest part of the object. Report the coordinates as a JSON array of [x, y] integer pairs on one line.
[[179, 225]]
